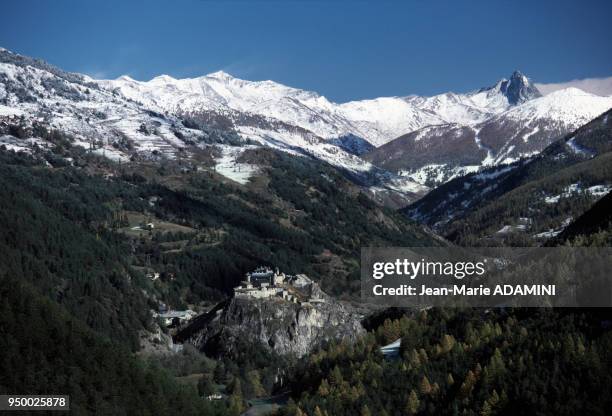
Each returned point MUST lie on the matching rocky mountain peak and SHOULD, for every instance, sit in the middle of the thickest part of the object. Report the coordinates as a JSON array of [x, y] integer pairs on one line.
[[519, 89]]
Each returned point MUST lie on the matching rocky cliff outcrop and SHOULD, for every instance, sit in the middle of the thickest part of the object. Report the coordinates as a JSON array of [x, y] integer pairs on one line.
[[284, 327]]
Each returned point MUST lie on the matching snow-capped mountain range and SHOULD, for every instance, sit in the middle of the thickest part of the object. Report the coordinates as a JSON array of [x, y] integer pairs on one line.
[[377, 121], [437, 153], [397, 144]]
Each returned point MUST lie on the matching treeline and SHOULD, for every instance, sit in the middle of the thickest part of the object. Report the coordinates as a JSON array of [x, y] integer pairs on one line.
[[60, 232], [306, 209], [474, 208], [593, 228], [529, 201]]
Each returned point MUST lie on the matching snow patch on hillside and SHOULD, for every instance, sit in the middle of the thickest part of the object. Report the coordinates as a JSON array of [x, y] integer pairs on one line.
[[438, 173], [553, 232], [575, 188], [228, 166], [578, 149], [570, 106]]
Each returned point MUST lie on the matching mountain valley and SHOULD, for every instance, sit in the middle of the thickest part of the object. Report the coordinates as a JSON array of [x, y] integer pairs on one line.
[[530, 200], [136, 216]]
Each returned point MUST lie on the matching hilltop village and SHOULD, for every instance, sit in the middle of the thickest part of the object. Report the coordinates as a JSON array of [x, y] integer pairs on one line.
[[287, 314], [263, 283]]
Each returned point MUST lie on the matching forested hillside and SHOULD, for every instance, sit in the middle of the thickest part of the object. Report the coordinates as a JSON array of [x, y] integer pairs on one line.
[[182, 221], [83, 235], [46, 350], [468, 362], [53, 237], [471, 361], [593, 228], [76, 248], [529, 201]]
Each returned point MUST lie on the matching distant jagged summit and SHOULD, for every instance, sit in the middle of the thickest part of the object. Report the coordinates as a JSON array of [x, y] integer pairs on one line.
[[517, 90]]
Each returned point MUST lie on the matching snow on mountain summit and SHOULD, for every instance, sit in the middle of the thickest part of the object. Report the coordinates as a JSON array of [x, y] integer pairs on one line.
[[571, 106], [376, 120], [220, 74], [439, 152], [166, 115], [517, 89], [162, 79]]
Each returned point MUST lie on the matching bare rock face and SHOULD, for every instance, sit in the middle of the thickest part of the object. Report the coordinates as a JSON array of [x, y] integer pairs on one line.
[[284, 327]]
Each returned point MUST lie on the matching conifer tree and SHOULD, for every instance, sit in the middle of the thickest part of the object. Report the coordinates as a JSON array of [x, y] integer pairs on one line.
[[335, 377], [486, 409], [255, 385], [413, 403], [425, 386], [323, 388]]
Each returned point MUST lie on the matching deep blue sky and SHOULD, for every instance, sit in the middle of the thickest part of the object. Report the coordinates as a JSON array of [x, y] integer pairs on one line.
[[343, 49]]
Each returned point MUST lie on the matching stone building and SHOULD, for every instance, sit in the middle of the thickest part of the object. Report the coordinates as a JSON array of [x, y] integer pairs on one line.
[[264, 283]]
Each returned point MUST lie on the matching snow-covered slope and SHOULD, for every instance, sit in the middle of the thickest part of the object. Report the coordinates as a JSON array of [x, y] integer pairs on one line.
[[222, 93], [568, 106], [534, 196], [441, 136], [526, 129], [168, 118], [377, 121], [436, 154], [96, 118]]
